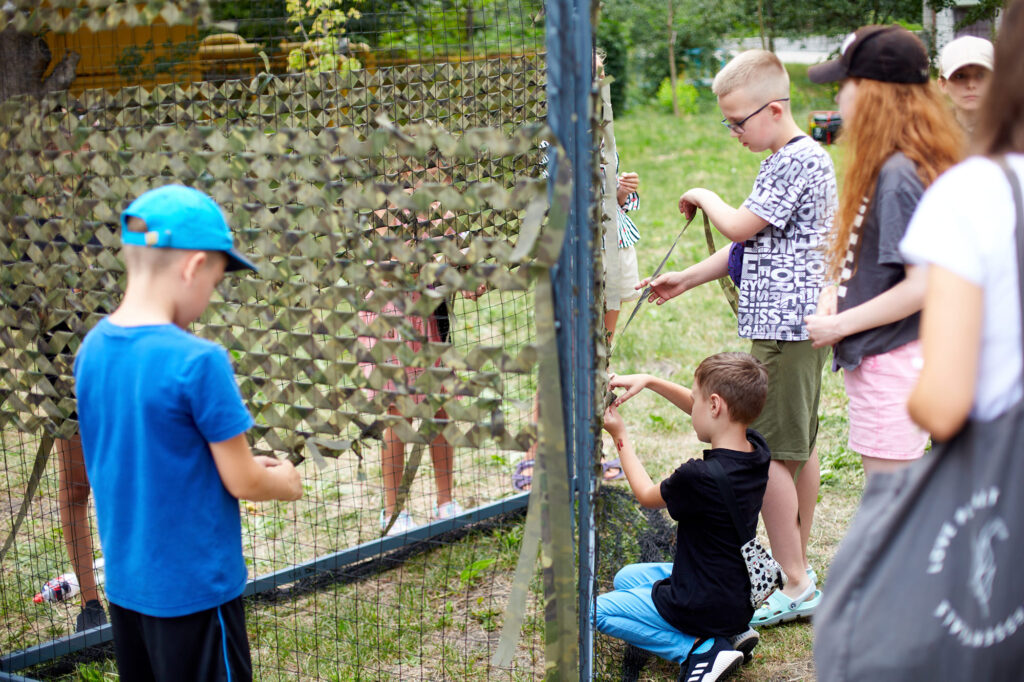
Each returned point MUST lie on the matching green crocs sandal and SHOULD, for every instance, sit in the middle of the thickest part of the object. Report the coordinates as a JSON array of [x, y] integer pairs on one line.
[[779, 608]]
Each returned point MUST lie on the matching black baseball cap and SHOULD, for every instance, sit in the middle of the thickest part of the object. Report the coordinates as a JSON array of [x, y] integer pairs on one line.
[[890, 54]]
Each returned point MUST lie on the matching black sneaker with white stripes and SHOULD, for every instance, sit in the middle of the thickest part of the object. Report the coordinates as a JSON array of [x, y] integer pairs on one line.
[[745, 643], [717, 663]]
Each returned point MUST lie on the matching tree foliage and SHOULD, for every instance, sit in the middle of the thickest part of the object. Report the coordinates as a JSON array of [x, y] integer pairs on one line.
[[831, 17], [258, 21], [698, 24], [459, 26], [701, 25], [321, 23], [611, 37], [411, 28], [982, 10]]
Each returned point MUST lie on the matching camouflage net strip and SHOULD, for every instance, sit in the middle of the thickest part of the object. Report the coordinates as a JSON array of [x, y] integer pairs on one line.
[[68, 16], [497, 92]]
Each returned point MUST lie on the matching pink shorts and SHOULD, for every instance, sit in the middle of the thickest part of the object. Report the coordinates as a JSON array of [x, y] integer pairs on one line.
[[425, 327], [878, 391]]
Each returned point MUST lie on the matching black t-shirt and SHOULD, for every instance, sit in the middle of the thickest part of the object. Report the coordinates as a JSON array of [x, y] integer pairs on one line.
[[879, 265], [708, 593]]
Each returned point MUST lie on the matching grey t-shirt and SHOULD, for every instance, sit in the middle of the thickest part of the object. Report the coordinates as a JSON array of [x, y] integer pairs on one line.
[[879, 265]]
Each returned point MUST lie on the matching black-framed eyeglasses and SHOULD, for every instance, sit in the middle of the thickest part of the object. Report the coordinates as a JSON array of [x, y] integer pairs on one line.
[[738, 127]]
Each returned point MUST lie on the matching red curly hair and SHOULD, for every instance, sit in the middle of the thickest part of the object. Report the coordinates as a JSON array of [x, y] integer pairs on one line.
[[889, 118]]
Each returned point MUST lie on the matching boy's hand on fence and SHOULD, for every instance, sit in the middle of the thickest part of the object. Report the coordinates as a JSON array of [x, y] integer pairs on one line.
[[613, 422], [664, 287], [471, 295], [633, 383], [288, 478]]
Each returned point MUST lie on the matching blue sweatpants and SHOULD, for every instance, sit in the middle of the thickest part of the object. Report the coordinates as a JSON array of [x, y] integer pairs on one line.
[[629, 613]]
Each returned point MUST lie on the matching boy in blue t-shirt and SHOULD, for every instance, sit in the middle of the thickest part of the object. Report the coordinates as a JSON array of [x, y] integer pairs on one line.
[[163, 433], [694, 611]]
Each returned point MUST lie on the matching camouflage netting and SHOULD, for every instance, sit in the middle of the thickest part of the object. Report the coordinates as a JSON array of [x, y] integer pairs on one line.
[[627, 534], [338, 223], [369, 199]]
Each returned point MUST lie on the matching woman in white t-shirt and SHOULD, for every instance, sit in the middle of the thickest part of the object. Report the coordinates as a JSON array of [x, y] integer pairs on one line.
[[964, 229]]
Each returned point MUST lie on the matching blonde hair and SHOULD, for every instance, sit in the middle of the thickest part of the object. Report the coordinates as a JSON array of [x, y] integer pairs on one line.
[[890, 118], [153, 259], [758, 72]]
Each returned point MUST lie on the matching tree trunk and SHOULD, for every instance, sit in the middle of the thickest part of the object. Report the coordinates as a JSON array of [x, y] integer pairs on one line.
[[760, 21], [24, 59], [672, 78]]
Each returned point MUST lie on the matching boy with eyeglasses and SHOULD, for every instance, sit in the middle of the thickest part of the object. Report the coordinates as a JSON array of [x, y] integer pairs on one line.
[[777, 260]]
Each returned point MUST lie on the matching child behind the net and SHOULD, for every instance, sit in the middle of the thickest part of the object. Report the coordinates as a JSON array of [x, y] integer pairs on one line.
[[433, 328]]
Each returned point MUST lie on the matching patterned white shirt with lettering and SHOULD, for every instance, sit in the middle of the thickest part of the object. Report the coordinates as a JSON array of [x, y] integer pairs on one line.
[[784, 264]]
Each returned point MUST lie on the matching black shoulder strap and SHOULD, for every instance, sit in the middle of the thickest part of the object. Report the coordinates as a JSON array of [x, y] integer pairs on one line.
[[718, 474]]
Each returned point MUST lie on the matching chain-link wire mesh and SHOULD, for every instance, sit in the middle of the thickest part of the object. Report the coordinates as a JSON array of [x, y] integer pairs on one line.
[[384, 171]]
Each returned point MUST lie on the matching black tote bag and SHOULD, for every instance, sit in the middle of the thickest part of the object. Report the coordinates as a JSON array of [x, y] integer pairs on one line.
[[928, 582]]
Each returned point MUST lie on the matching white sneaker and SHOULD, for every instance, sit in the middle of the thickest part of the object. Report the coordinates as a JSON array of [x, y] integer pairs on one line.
[[403, 524], [717, 663], [448, 510]]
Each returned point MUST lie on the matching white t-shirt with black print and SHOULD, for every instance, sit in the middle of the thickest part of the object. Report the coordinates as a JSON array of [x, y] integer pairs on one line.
[[784, 264]]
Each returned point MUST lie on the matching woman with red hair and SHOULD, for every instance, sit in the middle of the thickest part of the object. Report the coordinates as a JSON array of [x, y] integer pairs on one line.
[[899, 136]]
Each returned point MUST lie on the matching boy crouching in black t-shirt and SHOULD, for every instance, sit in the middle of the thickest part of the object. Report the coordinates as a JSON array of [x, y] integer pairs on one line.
[[695, 610]]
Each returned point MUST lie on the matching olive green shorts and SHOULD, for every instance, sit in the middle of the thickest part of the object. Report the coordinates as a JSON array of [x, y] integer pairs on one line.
[[789, 421]]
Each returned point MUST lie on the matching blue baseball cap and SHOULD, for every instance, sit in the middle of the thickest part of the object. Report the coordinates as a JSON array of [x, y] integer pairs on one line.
[[179, 217]]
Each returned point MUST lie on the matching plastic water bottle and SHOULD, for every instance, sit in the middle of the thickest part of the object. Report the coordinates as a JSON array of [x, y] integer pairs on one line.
[[66, 586], [58, 589]]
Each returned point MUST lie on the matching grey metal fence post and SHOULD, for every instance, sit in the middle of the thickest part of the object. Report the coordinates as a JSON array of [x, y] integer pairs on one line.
[[570, 79]]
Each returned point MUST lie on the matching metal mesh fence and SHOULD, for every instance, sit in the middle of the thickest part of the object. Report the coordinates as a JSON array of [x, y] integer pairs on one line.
[[384, 170]]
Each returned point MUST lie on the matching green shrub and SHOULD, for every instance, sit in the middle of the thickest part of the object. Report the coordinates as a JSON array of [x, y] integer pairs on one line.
[[686, 93], [612, 38], [806, 96]]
